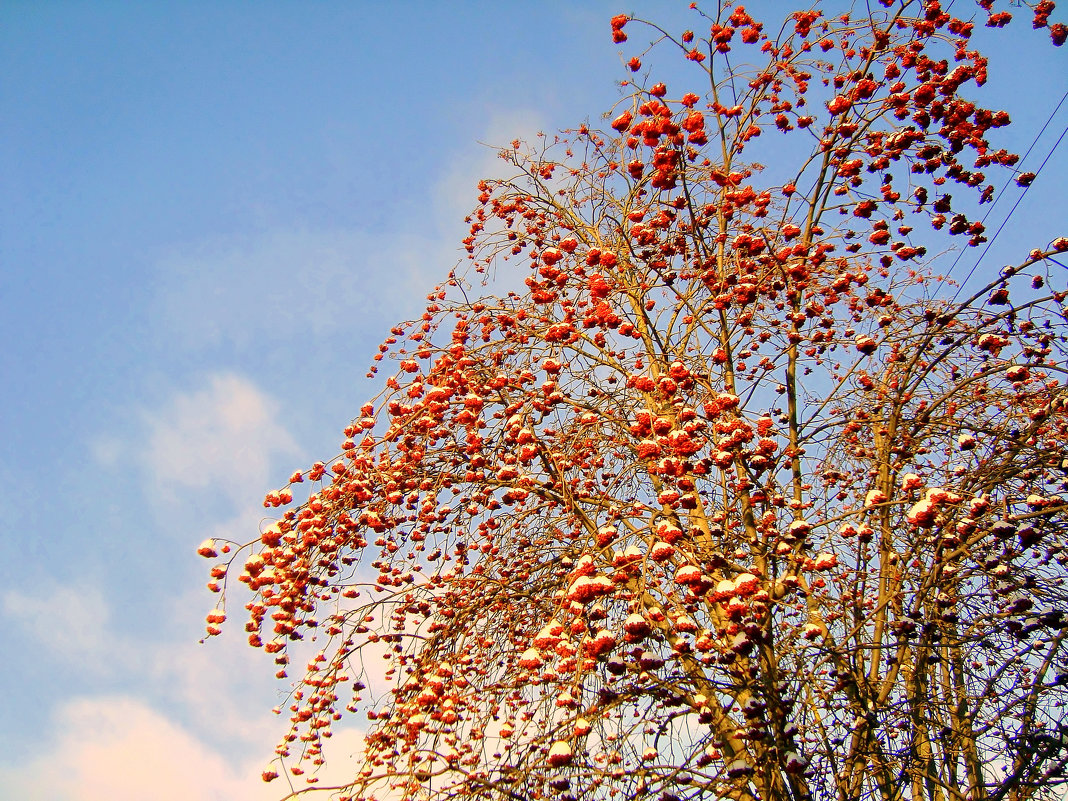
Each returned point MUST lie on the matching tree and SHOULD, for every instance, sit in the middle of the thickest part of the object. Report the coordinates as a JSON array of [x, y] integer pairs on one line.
[[738, 498]]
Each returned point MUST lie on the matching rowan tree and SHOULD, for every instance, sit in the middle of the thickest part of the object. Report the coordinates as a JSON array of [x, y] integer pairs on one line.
[[738, 498]]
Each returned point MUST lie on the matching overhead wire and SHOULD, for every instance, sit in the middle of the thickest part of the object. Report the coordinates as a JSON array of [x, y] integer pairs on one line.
[[1019, 198], [1014, 207]]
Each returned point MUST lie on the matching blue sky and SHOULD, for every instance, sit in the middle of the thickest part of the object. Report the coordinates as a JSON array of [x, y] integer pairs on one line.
[[210, 215]]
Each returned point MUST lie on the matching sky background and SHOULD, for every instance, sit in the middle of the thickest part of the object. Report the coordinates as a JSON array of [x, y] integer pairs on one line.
[[210, 215]]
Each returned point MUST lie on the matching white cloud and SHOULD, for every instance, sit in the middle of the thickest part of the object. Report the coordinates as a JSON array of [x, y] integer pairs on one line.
[[223, 684], [214, 685], [71, 623], [119, 749], [215, 737], [192, 713], [455, 194], [223, 688], [456, 191], [106, 450], [223, 436], [302, 283], [291, 285]]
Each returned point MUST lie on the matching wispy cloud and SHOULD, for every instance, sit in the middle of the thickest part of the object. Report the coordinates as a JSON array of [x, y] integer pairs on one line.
[[301, 284], [222, 686], [290, 285], [117, 748], [223, 435], [120, 748], [70, 623], [455, 191]]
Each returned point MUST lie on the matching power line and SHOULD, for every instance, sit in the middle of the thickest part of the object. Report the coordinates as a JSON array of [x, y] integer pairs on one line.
[[1004, 186], [1015, 205]]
